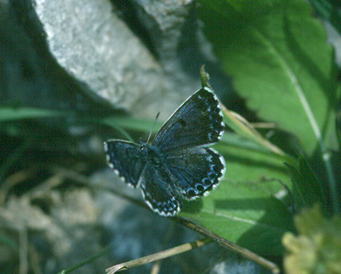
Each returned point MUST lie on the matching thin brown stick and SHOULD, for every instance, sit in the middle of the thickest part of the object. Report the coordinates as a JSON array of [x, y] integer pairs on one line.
[[158, 256], [230, 245]]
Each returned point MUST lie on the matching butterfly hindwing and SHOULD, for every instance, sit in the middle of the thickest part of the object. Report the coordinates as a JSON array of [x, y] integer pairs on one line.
[[197, 122], [126, 158], [196, 170], [159, 191]]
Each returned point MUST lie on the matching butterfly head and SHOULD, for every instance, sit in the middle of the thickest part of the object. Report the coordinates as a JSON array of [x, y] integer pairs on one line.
[[143, 146]]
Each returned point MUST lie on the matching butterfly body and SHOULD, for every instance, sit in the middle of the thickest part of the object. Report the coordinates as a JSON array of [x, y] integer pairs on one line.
[[179, 163]]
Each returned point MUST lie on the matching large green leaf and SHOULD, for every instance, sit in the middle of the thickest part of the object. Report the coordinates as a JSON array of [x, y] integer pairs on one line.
[[277, 54]]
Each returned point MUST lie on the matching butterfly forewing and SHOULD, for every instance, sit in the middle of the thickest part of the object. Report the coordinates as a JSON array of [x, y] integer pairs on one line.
[[197, 122], [126, 158]]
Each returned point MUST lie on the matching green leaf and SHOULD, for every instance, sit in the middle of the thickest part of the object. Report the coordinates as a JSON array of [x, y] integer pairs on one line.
[[306, 188], [132, 123], [329, 10], [20, 113], [244, 208], [277, 55]]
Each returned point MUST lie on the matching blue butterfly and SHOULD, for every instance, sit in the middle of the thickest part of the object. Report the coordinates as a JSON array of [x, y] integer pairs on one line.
[[178, 164]]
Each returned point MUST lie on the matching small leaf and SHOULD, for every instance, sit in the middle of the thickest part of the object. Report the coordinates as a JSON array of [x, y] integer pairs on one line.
[[317, 248], [306, 188]]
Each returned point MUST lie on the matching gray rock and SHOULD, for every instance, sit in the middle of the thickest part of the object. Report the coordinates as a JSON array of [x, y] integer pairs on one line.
[[141, 56], [93, 43], [97, 48]]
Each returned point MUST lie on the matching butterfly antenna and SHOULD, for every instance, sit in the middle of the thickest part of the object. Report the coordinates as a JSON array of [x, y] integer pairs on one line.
[[150, 134]]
